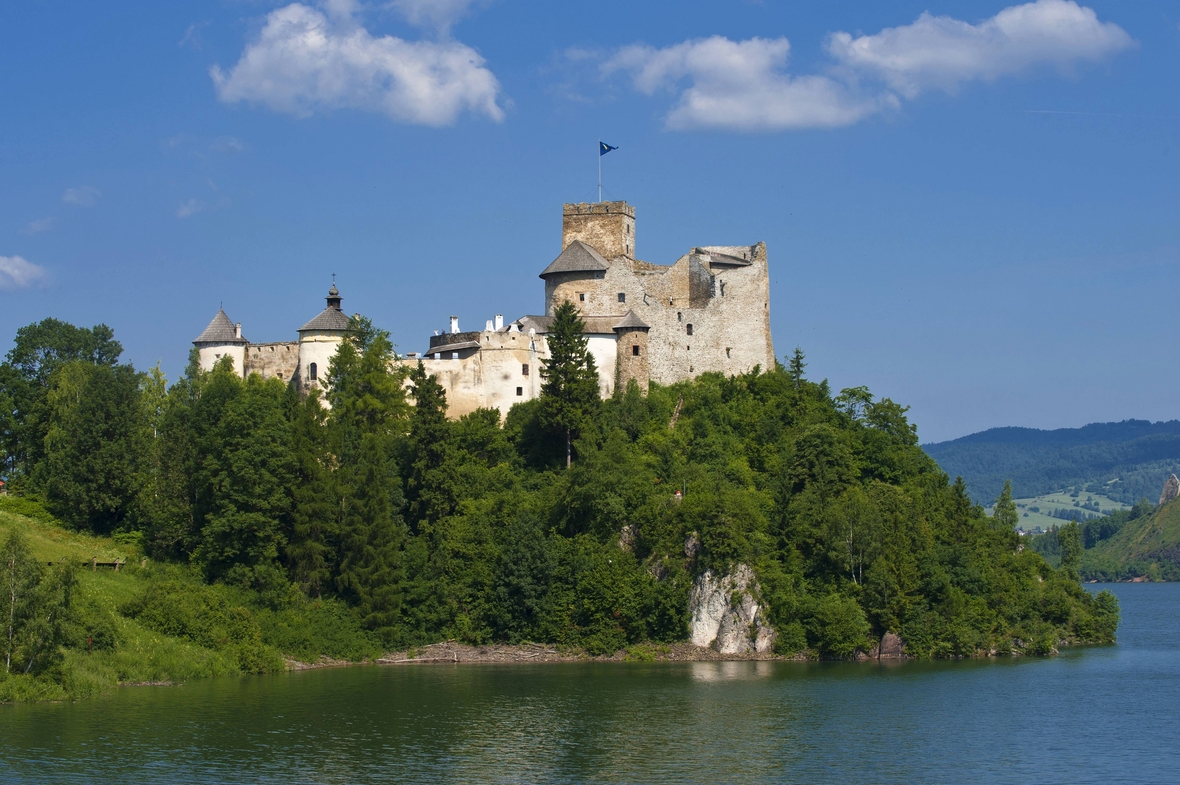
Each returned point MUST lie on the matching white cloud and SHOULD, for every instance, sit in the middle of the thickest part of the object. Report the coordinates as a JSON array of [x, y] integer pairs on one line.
[[303, 62], [436, 13], [741, 85], [744, 85], [83, 196], [18, 273], [941, 53], [40, 225], [191, 207]]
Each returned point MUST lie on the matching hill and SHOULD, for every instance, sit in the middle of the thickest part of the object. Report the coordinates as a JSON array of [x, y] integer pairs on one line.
[[1124, 461], [1145, 547]]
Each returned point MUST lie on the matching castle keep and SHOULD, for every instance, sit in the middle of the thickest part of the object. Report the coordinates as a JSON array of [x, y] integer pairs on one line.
[[707, 311]]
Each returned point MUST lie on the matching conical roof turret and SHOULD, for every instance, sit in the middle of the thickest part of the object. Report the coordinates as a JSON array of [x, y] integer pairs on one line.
[[221, 331]]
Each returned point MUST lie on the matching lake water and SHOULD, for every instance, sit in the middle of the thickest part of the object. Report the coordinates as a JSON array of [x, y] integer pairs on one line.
[[1107, 714]]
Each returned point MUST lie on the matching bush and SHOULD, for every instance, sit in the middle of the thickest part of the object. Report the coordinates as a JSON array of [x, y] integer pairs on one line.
[[28, 507], [838, 627]]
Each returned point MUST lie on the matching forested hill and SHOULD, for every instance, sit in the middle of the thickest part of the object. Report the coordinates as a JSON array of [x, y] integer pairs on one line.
[[1137, 453]]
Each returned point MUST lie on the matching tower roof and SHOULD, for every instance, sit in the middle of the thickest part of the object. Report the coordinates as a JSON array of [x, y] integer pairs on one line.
[[631, 322], [221, 330], [577, 258], [331, 318]]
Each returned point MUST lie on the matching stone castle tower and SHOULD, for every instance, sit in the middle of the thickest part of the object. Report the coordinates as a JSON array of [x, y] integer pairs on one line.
[[709, 311]]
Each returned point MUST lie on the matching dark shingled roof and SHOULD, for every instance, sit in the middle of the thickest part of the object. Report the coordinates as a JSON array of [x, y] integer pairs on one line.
[[329, 319], [577, 258], [723, 258], [597, 325], [451, 347], [631, 322], [220, 330]]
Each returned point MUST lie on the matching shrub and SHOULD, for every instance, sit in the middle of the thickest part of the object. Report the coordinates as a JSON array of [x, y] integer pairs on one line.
[[838, 627]]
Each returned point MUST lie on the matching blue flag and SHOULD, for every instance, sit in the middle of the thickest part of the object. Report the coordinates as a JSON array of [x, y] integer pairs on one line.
[[604, 148]]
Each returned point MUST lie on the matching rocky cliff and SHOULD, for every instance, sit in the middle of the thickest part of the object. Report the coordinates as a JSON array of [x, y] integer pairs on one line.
[[727, 613]]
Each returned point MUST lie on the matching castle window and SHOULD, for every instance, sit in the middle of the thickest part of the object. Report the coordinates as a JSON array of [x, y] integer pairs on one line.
[[311, 371], [437, 356], [679, 316], [524, 369], [690, 329], [454, 355], [635, 350], [582, 297], [723, 288], [622, 297], [727, 352], [520, 391]]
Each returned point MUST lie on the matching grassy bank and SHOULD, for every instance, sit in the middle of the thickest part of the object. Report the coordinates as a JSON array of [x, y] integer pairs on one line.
[[160, 623]]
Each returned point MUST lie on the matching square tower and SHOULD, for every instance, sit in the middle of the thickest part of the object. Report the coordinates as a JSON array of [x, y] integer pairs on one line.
[[607, 227]]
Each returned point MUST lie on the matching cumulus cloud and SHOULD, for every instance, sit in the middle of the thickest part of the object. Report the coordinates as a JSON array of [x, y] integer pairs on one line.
[[741, 85], [83, 196], [19, 273], [305, 62], [941, 53], [744, 85]]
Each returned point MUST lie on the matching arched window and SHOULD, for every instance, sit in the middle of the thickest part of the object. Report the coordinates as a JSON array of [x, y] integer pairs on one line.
[[311, 372]]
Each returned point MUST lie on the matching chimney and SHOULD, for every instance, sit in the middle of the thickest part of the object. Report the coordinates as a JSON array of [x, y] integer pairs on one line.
[[238, 330], [454, 324], [488, 326], [499, 321]]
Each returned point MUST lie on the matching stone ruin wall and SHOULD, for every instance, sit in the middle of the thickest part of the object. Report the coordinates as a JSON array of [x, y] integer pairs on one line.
[[272, 360]]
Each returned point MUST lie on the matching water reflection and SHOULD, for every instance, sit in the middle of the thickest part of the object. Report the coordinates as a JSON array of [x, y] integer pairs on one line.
[[708, 722]]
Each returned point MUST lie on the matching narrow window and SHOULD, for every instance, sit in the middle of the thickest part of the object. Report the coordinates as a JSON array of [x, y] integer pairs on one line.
[[635, 350], [582, 297], [520, 391], [622, 297], [679, 316], [311, 371], [727, 352], [690, 329], [723, 288], [524, 369]]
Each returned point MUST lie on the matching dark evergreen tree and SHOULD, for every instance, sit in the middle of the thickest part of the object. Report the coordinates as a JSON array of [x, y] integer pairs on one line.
[[569, 394], [430, 486], [314, 543]]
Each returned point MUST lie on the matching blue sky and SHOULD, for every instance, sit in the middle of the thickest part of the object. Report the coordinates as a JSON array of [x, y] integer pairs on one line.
[[971, 208]]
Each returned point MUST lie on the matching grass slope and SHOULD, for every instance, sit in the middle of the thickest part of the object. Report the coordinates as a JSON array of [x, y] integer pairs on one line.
[[1148, 547], [161, 624], [1137, 455]]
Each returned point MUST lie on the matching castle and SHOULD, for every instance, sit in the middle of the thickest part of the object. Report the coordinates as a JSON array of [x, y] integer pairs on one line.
[[708, 311]]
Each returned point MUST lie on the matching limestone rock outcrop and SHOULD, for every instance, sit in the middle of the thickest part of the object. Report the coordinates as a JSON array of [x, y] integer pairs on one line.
[[891, 647], [1171, 489], [727, 614]]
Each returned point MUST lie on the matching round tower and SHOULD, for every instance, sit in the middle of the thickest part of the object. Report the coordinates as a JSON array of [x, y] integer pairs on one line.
[[631, 352], [222, 338], [318, 341]]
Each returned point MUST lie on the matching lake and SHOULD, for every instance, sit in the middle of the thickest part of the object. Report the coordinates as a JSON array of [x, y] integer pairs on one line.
[[1103, 714]]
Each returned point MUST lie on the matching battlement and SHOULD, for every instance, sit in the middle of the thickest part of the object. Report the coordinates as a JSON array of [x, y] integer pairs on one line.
[[607, 227]]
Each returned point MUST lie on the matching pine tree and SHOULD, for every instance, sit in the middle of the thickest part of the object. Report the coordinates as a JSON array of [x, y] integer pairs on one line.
[[796, 367], [312, 551], [569, 394], [430, 487]]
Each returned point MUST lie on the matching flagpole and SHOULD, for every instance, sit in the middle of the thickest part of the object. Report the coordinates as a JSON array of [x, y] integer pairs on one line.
[[599, 171]]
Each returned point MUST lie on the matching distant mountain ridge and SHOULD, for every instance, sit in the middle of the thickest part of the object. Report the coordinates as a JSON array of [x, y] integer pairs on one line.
[[1137, 453]]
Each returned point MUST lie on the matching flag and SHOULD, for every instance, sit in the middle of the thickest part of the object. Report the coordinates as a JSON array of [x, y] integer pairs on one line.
[[604, 148]]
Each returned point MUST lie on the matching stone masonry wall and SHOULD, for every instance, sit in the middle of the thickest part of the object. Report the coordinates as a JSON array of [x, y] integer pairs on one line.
[[273, 360], [607, 227]]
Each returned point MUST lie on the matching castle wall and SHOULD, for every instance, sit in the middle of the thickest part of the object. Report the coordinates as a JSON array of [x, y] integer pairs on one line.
[[632, 359], [272, 360], [209, 354], [607, 227], [492, 377]]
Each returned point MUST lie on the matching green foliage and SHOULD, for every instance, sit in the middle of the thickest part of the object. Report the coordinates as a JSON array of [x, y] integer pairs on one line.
[[837, 626], [36, 609], [569, 395]]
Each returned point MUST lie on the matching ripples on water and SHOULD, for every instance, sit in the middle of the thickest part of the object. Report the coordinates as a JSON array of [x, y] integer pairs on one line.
[[1105, 714]]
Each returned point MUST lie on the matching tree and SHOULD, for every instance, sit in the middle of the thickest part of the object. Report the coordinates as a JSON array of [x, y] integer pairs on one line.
[[1004, 516], [569, 394], [312, 552], [1069, 537], [795, 368], [36, 608], [252, 474], [430, 487], [94, 448], [38, 351]]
